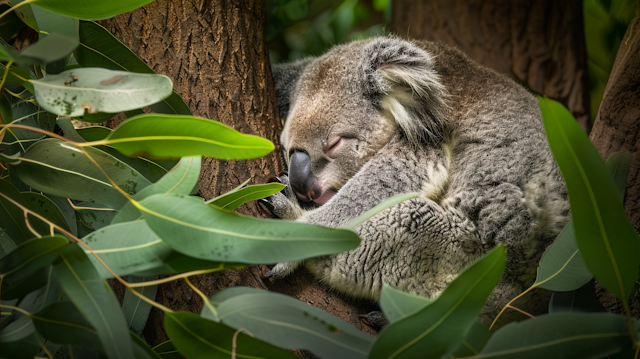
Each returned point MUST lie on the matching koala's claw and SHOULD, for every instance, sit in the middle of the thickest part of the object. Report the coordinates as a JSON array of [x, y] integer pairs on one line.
[[265, 203], [375, 318], [281, 270]]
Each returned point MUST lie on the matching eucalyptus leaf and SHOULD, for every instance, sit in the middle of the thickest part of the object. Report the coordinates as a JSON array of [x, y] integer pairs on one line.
[[219, 235], [16, 76], [93, 133], [607, 241], [561, 266], [19, 139], [173, 136], [231, 200], [29, 257], [439, 328], [166, 350], [63, 323], [98, 48], [61, 169], [95, 300], [561, 335], [12, 216], [90, 10], [389, 202], [179, 180], [199, 338], [292, 324], [72, 92], [582, 299], [397, 304], [47, 209], [133, 248], [136, 311]]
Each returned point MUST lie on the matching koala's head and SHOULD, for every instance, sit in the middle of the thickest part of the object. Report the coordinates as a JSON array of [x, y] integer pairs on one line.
[[342, 107]]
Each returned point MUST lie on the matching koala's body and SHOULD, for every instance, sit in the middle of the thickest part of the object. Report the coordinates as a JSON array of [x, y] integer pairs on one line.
[[376, 118]]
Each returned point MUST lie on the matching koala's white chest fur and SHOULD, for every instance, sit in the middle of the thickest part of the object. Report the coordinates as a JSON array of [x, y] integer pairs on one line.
[[428, 120]]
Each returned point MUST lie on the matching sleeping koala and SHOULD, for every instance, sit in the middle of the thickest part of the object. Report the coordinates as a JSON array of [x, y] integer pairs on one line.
[[380, 117]]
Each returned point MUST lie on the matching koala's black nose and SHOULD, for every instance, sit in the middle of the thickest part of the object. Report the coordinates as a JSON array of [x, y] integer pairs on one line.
[[300, 175]]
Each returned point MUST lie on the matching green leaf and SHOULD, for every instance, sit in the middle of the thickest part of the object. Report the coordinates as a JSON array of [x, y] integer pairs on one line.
[[561, 266], [47, 209], [396, 304], [19, 139], [133, 248], [440, 327], [582, 299], [16, 76], [619, 164], [389, 202], [26, 285], [141, 350], [476, 339], [173, 136], [219, 235], [166, 350], [61, 169], [63, 323], [29, 257], [95, 300], [562, 335], [21, 325], [26, 348], [94, 89], [196, 338], [136, 311], [98, 48], [93, 133], [179, 180], [67, 211], [126, 248], [232, 199], [11, 216], [100, 217], [291, 324], [606, 239], [91, 10]]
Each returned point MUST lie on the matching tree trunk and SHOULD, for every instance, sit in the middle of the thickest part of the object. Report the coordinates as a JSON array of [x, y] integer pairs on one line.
[[617, 129], [215, 52], [540, 43]]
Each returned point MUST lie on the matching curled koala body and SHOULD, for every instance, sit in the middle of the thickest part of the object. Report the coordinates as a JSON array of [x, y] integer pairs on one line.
[[375, 118]]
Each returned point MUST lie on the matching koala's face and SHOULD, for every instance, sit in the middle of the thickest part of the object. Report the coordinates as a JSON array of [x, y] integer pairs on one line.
[[332, 128]]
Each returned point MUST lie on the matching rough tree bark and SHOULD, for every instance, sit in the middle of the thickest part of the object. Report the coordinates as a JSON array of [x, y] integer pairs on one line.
[[215, 52], [540, 43], [617, 129]]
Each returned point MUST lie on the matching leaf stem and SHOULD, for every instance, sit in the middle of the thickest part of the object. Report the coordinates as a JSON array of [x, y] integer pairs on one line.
[[509, 305], [175, 277], [4, 77], [204, 297]]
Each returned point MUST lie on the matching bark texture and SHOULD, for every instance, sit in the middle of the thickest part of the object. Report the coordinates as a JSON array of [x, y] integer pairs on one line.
[[617, 129], [215, 52], [540, 43]]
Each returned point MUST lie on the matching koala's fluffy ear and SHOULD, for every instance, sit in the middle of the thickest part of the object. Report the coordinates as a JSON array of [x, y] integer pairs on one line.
[[285, 78], [400, 79]]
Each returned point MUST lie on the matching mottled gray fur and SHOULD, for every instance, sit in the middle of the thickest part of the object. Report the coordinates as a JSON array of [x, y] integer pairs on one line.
[[421, 117]]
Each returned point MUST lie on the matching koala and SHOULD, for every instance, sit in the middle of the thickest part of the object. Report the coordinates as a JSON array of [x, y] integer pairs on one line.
[[380, 117]]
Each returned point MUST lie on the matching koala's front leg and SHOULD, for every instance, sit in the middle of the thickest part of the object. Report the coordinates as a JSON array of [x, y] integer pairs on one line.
[[284, 205]]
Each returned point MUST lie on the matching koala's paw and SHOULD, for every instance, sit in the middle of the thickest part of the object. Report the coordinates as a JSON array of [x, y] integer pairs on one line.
[[375, 318], [283, 204], [282, 269]]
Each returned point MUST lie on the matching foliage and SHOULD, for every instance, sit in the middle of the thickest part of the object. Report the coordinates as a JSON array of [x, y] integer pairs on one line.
[[605, 23], [75, 210], [299, 28]]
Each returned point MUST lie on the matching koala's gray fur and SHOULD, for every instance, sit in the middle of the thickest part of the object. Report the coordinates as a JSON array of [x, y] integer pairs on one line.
[[421, 117]]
